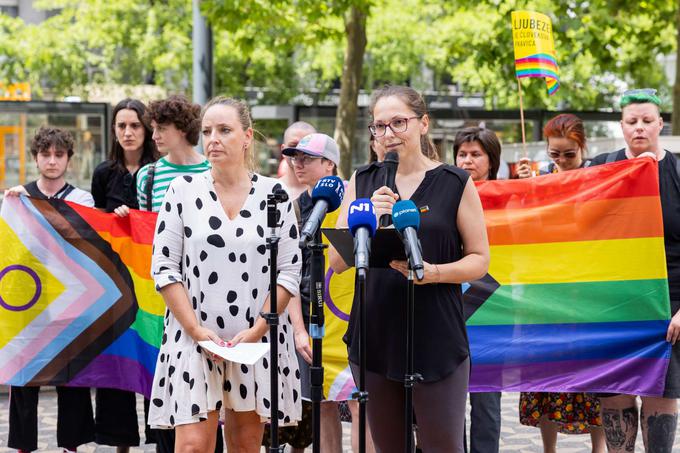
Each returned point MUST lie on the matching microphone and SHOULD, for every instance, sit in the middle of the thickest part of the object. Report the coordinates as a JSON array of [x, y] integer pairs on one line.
[[362, 224], [407, 221], [326, 196], [390, 163]]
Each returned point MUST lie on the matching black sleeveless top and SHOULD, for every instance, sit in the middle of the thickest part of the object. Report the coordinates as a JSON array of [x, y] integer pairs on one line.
[[440, 339]]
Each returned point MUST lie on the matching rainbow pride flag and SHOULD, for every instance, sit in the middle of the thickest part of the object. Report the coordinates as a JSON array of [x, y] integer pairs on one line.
[[77, 303], [539, 65], [576, 298]]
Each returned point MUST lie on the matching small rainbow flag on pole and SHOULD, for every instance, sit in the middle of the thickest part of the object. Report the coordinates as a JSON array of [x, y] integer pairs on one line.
[[534, 46], [77, 302], [576, 299]]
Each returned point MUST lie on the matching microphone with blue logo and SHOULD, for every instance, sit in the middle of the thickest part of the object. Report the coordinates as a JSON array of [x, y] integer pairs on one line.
[[326, 196], [362, 224], [406, 219]]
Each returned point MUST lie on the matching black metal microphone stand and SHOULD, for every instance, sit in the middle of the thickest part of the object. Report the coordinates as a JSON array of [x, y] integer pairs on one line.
[[272, 318], [361, 394], [410, 378], [317, 332]]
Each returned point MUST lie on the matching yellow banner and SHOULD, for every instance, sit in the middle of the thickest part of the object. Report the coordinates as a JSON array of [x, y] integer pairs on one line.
[[532, 38], [531, 34], [338, 384], [15, 92]]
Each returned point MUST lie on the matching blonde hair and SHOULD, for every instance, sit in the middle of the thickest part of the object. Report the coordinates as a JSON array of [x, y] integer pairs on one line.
[[243, 112]]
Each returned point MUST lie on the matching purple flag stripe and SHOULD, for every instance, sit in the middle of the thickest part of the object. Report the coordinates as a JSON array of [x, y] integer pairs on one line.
[[106, 371], [634, 376]]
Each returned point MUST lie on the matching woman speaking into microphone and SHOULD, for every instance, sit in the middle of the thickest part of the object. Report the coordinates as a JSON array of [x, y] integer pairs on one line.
[[455, 250]]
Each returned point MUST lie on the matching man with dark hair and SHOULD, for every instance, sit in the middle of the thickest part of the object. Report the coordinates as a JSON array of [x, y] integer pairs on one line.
[[176, 125], [51, 149]]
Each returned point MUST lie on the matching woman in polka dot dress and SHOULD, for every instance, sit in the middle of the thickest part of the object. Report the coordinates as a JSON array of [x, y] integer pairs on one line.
[[211, 265]]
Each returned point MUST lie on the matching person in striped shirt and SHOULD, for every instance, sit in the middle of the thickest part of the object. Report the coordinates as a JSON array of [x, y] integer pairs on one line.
[[176, 126]]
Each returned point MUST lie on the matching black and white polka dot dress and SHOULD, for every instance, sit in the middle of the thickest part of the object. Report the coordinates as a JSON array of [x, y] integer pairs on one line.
[[224, 266]]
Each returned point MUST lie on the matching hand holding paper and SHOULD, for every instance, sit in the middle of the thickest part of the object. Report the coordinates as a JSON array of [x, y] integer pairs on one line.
[[246, 353]]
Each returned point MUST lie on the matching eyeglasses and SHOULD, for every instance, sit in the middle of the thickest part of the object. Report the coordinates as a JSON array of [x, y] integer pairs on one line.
[[566, 155], [303, 159], [647, 91], [396, 125]]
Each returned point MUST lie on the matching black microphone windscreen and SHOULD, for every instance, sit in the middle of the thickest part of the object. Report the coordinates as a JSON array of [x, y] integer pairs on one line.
[[392, 158]]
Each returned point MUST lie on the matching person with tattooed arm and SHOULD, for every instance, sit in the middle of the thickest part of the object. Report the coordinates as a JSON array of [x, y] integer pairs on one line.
[[641, 124]]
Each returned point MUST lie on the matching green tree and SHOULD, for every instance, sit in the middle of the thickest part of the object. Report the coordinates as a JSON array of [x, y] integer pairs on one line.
[[97, 41], [599, 45], [285, 47]]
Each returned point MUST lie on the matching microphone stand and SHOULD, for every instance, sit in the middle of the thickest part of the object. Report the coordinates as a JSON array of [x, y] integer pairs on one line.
[[410, 378], [361, 394], [272, 318], [317, 332]]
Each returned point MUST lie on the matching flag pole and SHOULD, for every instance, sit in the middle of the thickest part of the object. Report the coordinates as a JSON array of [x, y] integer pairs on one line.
[[521, 118]]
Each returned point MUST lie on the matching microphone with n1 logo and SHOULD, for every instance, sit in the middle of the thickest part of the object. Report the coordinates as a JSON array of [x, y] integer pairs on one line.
[[362, 224], [406, 220], [326, 196]]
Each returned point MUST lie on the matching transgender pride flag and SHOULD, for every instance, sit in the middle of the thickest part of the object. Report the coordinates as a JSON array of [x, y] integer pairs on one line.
[[576, 299]]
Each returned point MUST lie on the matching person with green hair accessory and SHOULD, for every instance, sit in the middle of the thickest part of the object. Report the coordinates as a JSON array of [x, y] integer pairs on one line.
[[641, 124], [640, 96]]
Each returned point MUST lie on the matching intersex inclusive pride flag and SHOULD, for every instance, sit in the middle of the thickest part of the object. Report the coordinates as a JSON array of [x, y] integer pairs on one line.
[[77, 303], [532, 38], [576, 298]]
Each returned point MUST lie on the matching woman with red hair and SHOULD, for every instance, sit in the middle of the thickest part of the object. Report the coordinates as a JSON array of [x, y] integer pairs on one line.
[[566, 146], [568, 413]]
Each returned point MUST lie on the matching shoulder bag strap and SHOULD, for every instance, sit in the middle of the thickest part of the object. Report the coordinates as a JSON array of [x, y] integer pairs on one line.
[[148, 188]]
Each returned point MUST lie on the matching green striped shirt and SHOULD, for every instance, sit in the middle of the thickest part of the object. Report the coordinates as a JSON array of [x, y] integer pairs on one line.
[[163, 176]]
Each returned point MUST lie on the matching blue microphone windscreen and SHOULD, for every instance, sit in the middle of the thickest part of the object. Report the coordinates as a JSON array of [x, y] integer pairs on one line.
[[405, 214], [331, 189], [362, 214]]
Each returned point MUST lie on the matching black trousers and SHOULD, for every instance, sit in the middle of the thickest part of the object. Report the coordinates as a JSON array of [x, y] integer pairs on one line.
[[115, 420], [75, 421]]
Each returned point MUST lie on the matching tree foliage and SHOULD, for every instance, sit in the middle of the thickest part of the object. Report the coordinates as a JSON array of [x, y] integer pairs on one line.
[[97, 41], [292, 46]]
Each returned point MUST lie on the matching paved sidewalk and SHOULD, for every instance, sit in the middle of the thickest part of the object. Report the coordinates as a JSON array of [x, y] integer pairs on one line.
[[514, 437]]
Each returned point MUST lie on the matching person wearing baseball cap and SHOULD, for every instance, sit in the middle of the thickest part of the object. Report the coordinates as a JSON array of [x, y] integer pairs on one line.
[[310, 147], [314, 157]]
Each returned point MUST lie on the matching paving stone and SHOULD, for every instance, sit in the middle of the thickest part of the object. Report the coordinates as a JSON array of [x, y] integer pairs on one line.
[[514, 437]]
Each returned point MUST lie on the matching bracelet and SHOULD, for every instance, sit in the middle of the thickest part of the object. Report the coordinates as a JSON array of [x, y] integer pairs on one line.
[[439, 277]]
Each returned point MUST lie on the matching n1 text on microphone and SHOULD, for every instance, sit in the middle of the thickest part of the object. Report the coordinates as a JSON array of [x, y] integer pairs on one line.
[[327, 197], [362, 224], [406, 220]]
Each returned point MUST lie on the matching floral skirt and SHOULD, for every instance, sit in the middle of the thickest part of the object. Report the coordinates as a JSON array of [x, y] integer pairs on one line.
[[575, 413]]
